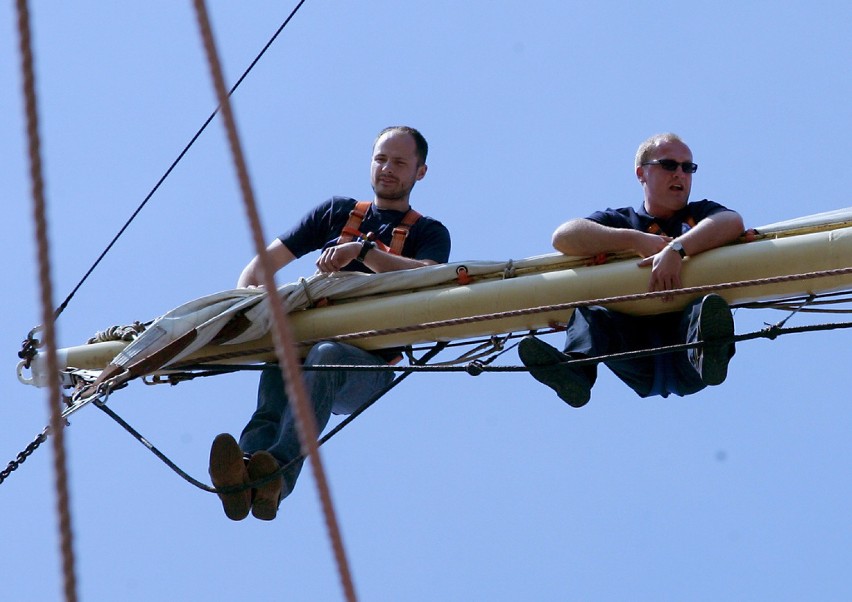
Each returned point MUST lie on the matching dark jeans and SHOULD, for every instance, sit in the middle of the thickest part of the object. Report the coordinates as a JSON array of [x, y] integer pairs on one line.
[[273, 425], [596, 331]]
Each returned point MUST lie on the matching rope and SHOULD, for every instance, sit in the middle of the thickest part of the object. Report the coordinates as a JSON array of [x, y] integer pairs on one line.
[[575, 304], [118, 333], [549, 308], [282, 335], [821, 300], [260, 482], [420, 365], [39, 217], [475, 367], [174, 164]]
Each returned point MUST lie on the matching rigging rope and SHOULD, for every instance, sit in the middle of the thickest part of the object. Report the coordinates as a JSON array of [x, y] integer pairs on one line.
[[420, 365], [575, 304], [537, 310], [473, 368], [174, 164], [39, 216], [101, 404], [282, 335], [770, 332]]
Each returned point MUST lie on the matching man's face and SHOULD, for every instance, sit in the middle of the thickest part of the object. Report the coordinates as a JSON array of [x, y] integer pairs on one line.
[[666, 191], [394, 169]]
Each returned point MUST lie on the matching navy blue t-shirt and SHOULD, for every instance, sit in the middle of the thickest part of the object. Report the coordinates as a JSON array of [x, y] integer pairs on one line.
[[427, 238], [639, 219], [666, 380]]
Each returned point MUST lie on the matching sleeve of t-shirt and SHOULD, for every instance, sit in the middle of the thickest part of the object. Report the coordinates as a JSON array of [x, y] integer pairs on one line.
[[312, 231], [613, 218], [705, 208], [433, 242]]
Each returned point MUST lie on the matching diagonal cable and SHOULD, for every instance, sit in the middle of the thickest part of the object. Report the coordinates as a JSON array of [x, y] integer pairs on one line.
[[171, 167]]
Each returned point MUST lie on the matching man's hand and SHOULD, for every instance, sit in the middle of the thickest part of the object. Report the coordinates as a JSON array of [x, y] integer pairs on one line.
[[646, 245], [335, 258], [665, 271], [252, 274]]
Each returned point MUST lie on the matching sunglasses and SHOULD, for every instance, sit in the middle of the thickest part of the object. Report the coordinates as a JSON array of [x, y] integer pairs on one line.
[[671, 165]]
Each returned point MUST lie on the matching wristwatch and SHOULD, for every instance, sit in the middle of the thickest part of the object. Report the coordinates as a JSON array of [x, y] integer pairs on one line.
[[676, 246], [365, 248]]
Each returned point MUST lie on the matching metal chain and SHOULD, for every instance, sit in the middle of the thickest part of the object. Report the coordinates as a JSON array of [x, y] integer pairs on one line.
[[21, 457]]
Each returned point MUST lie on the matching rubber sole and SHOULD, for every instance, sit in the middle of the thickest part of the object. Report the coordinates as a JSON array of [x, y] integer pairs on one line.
[[545, 364], [264, 506], [715, 323], [227, 469]]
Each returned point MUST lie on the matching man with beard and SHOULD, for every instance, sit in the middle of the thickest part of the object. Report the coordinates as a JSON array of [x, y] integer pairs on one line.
[[664, 230], [379, 236]]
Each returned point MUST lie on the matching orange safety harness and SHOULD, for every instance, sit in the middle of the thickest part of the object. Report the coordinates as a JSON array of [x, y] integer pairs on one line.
[[654, 228], [351, 230]]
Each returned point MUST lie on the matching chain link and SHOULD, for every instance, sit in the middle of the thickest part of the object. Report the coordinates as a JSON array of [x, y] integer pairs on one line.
[[21, 457]]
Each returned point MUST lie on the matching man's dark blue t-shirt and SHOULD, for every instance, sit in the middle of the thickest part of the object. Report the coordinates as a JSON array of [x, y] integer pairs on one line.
[[639, 219], [662, 329], [427, 238]]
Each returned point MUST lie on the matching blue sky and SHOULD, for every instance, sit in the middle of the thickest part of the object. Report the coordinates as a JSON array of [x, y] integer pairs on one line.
[[452, 487]]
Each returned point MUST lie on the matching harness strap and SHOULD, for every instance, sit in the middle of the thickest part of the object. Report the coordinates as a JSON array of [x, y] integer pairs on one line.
[[654, 228], [400, 233], [351, 230]]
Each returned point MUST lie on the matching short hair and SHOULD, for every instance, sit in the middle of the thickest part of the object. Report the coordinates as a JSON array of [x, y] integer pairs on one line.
[[419, 140], [647, 147]]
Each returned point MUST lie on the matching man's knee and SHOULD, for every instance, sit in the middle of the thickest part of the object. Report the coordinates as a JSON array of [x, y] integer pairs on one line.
[[326, 352]]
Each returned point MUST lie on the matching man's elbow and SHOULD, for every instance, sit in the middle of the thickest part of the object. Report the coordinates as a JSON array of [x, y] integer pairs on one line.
[[567, 238], [562, 244], [734, 224], [564, 237]]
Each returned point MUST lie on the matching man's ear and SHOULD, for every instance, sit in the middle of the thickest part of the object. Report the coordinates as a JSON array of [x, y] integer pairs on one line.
[[421, 171]]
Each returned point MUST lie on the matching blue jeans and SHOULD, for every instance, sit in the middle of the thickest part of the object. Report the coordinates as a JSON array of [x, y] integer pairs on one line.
[[273, 425], [596, 331]]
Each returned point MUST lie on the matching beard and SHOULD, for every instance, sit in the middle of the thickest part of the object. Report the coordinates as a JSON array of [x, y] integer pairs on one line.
[[392, 193]]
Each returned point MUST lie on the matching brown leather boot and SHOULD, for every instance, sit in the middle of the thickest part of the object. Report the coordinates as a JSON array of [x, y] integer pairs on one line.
[[266, 497], [228, 469]]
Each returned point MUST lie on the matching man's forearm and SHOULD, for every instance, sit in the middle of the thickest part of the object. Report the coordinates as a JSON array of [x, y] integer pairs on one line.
[[379, 262], [712, 232], [584, 237]]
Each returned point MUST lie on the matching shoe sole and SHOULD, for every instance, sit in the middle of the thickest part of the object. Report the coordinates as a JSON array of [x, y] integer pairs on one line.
[[267, 496], [545, 364], [715, 323], [227, 469]]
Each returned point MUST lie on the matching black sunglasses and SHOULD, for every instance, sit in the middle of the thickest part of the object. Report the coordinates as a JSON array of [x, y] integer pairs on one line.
[[671, 165]]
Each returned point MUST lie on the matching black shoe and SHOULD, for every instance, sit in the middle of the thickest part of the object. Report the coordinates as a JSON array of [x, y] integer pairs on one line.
[[545, 363], [715, 323]]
